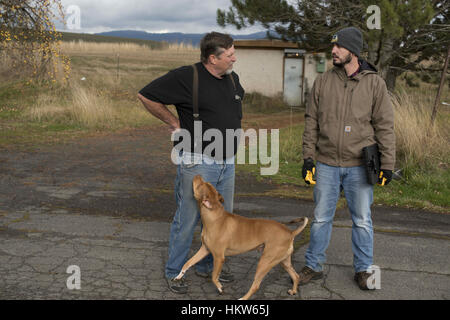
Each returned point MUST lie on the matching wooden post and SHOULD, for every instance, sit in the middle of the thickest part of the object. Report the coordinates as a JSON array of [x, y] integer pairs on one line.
[[438, 96], [118, 66]]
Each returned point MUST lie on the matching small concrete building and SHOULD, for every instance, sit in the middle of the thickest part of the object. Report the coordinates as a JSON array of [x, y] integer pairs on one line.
[[275, 67]]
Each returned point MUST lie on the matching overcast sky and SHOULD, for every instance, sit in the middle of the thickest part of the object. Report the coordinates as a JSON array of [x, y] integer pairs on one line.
[[187, 16]]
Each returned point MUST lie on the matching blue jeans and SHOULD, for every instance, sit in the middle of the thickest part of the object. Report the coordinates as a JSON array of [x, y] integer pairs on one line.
[[221, 176], [330, 181]]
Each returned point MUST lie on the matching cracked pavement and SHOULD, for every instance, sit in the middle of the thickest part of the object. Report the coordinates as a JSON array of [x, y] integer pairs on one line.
[[105, 205]]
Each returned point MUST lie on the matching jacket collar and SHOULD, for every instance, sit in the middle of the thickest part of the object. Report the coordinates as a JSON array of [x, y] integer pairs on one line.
[[365, 68]]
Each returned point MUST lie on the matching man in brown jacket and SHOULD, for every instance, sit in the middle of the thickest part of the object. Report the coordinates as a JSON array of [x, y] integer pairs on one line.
[[348, 109]]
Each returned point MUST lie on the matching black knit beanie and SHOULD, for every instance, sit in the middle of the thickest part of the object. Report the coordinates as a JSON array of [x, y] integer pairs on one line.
[[350, 38]]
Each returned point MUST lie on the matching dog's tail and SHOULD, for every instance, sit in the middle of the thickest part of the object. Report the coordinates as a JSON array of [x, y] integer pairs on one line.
[[299, 229]]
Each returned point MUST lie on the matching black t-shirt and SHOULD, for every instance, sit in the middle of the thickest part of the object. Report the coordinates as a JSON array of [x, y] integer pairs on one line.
[[219, 102]]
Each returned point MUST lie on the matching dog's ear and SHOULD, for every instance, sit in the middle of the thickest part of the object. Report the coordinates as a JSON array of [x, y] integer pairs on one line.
[[220, 198]]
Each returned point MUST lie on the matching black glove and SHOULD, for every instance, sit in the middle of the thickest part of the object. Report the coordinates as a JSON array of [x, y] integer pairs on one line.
[[385, 177], [309, 171]]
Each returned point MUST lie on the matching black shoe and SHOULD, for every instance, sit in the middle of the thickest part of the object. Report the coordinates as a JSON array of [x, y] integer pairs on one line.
[[225, 276], [177, 286], [361, 279], [307, 274]]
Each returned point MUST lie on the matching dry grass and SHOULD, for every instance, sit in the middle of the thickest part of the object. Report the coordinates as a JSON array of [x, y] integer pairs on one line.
[[182, 47], [86, 107], [419, 143], [111, 49], [125, 66], [89, 108], [104, 48], [105, 79], [83, 106]]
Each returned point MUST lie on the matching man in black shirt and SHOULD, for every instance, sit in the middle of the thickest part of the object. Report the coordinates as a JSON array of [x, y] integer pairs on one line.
[[219, 109]]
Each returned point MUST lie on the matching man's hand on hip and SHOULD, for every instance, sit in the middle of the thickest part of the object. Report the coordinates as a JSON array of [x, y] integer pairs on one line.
[[175, 127]]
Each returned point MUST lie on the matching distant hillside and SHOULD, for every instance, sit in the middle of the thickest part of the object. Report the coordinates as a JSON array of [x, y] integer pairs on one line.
[[69, 36], [176, 37]]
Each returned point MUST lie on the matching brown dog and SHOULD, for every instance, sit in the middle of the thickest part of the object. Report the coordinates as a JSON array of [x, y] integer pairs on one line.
[[226, 234]]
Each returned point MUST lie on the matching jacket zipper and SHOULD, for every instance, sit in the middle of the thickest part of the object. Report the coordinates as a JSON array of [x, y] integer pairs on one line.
[[343, 115], [341, 124]]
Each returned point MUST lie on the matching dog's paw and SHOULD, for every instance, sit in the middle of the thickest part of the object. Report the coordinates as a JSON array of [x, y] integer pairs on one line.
[[220, 289], [292, 292], [180, 275]]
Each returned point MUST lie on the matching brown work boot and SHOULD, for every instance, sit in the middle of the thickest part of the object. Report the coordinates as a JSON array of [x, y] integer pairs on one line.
[[361, 278], [307, 274]]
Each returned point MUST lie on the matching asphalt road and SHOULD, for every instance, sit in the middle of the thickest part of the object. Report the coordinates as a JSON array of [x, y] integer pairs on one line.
[[104, 205]]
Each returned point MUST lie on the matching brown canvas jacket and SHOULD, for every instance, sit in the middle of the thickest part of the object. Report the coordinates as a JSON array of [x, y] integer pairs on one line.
[[344, 115]]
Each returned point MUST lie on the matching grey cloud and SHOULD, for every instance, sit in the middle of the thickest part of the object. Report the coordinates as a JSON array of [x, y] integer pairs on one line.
[[189, 16]]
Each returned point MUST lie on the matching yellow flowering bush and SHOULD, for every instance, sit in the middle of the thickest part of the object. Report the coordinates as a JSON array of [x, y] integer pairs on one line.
[[29, 41]]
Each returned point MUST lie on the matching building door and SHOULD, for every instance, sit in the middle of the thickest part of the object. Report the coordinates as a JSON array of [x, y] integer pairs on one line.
[[293, 84]]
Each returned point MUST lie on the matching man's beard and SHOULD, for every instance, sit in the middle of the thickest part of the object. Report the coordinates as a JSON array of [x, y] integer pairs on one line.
[[343, 63], [229, 71]]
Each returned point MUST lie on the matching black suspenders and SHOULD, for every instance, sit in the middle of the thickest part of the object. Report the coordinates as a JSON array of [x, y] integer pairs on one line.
[[195, 91]]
